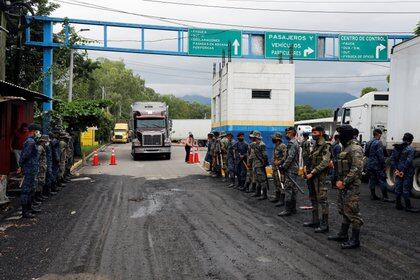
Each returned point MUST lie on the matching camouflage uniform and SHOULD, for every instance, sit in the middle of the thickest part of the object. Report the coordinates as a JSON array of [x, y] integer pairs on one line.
[[291, 167], [259, 163], [224, 143], [56, 156], [279, 156], [319, 157], [69, 155], [231, 162], [350, 165], [306, 152], [63, 158], [240, 150], [250, 177], [29, 161], [216, 156], [42, 171]]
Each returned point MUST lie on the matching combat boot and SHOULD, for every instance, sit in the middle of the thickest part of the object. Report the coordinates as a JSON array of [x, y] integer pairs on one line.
[[354, 241], [293, 206], [315, 220], [253, 188], [257, 192], [385, 196], [281, 201], [373, 195], [342, 235], [398, 204], [408, 206], [26, 214], [276, 197], [264, 195], [323, 226], [288, 211]]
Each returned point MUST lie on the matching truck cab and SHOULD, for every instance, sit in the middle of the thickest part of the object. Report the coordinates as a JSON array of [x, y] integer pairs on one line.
[[151, 129], [121, 133]]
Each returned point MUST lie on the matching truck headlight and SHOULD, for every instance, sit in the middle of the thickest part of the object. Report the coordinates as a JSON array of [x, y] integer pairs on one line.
[[168, 142]]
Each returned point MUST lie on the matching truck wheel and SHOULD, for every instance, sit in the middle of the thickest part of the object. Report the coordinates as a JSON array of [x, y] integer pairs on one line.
[[136, 157], [168, 156], [416, 183], [390, 177]]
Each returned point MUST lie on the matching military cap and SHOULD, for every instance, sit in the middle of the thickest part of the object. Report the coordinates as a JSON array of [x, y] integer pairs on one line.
[[356, 132], [216, 133], [229, 134], [345, 128], [222, 134], [256, 134], [305, 134], [408, 137], [240, 134], [45, 138], [377, 131], [276, 136], [210, 134], [318, 128], [34, 127], [291, 128]]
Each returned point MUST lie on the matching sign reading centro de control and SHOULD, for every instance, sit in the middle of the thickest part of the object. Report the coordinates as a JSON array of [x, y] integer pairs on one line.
[[364, 47], [212, 42], [278, 43]]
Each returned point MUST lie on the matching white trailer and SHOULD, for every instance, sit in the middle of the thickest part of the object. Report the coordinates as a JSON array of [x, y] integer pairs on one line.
[[198, 127], [404, 101]]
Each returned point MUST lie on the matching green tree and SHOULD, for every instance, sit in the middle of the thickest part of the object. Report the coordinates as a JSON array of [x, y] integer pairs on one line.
[[367, 90], [307, 112]]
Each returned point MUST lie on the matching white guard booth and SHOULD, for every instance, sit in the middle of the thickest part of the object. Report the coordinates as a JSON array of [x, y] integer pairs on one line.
[[250, 96]]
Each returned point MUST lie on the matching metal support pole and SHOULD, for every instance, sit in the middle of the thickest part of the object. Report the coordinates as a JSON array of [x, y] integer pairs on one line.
[[47, 81], [70, 97]]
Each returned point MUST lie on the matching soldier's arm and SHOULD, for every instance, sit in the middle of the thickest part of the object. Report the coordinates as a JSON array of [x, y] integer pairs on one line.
[[326, 157], [380, 154], [394, 156], [291, 154], [356, 165], [264, 154], [409, 161], [26, 152]]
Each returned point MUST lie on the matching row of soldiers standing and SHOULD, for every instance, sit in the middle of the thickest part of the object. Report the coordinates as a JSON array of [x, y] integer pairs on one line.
[[247, 163], [45, 163]]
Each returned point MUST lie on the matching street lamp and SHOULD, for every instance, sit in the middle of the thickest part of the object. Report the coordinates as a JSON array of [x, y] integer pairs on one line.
[[70, 96]]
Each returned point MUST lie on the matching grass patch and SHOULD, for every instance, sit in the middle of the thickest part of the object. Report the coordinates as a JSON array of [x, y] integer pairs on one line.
[[88, 149]]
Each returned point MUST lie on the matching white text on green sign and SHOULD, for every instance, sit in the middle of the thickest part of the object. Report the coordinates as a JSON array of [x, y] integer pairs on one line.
[[213, 42], [363, 47], [277, 44]]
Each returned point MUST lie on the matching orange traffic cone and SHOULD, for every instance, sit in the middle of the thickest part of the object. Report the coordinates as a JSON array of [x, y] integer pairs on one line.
[[113, 160], [191, 157], [196, 159], [95, 159]]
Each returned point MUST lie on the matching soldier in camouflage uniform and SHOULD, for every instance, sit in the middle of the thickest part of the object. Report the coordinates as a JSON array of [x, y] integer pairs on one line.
[[250, 184], [350, 165], [241, 150], [69, 157], [259, 161], [290, 168], [42, 170], [306, 149], [316, 175], [63, 157], [224, 143], [216, 149], [55, 152], [231, 160], [279, 156], [210, 139]]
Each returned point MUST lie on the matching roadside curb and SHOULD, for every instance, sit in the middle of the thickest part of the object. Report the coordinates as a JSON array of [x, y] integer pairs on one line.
[[79, 164]]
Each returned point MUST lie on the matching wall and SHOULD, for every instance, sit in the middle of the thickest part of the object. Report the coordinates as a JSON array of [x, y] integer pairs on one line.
[[240, 112]]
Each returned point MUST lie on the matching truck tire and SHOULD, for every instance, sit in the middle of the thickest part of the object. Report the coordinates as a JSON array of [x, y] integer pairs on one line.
[[168, 156], [416, 180], [390, 177], [135, 156]]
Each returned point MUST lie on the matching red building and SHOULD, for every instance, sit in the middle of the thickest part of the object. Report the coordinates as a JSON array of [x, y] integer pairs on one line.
[[16, 107]]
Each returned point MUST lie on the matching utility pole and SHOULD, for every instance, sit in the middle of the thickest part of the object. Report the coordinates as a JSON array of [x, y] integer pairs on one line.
[[71, 75]]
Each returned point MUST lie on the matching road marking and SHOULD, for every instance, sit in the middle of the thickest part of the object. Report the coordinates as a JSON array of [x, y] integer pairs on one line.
[[81, 179]]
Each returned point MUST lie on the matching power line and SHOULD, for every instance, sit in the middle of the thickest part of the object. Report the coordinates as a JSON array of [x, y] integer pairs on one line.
[[338, 82], [286, 10], [326, 2], [179, 21]]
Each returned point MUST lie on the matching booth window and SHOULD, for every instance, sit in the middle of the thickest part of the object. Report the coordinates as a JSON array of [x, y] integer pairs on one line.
[[261, 94]]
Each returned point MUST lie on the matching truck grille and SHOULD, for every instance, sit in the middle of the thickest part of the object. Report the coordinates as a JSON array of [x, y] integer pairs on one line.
[[118, 137], [152, 140]]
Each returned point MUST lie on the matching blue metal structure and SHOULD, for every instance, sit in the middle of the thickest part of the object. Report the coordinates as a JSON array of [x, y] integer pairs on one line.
[[181, 34]]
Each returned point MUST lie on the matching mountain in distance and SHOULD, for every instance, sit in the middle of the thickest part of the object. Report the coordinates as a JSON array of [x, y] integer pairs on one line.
[[317, 100], [197, 98]]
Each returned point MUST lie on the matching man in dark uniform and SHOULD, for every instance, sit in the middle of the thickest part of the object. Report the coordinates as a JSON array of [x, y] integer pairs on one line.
[[47, 191], [250, 184], [376, 166], [240, 149], [210, 139], [350, 165], [29, 163], [259, 162], [335, 151], [55, 154], [279, 156], [231, 160], [306, 149], [402, 162]]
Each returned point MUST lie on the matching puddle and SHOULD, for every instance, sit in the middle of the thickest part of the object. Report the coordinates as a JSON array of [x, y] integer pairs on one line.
[[152, 207]]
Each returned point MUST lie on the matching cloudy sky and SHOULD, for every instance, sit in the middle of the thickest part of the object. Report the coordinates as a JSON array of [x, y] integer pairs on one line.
[[192, 75]]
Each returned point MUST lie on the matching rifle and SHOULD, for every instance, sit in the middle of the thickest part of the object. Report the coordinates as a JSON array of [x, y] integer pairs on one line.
[[281, 183], [221, 166], [294, 183]]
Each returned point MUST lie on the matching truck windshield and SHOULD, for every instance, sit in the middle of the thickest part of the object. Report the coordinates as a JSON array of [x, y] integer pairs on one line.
[[150, 123]]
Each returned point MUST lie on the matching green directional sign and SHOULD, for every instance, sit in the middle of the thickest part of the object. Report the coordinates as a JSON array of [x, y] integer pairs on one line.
[[278, 44], [212, 42], [363, 47]]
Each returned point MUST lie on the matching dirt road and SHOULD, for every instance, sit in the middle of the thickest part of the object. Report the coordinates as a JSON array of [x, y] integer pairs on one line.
[[158, 219]]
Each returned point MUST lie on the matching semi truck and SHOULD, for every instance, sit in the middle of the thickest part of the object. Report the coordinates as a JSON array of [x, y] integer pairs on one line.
[[394, 112], [151, 128], [199, 128], [121, 133]]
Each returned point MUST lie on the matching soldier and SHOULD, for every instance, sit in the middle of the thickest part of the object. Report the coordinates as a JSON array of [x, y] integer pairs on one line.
[[63, 158], [231, 160], [290, 168], [224, 143], [216, 155], [69, 157], [250, 185], [49, 175], [335, 151], [240, 149], [56, 155], [210, 139], [376, 166], [29, 163], [306, 149], [402, 162], [259, 162], [316, 175], [350, 165], [42, 170], [279, 156]]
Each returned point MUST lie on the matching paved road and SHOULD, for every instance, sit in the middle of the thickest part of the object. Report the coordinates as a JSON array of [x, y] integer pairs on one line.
[[158, 219]]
